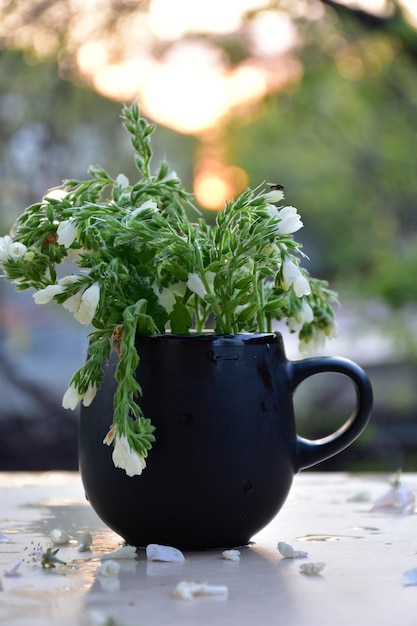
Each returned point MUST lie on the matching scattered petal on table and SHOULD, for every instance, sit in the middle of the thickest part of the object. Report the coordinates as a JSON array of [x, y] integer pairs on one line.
[[167, 554], [85, 542], [410, 577], [400, 499], [60, 537], [312, 569], [187, 590], [126, 552], [231, 555], [14, 571], [288, 552]]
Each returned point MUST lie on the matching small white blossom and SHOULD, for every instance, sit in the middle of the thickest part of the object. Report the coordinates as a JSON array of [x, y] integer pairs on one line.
[[312, 569], [71, 398], [289, 220], [196, 285], [231, 555], [306, 314], [122, 181], [72, 304], [90, 394], [17, 250], [167, 554], [123, 553], [293, 276], [67, 233], [288, 552], [59, 537], [274, 196], [126, 458], [149, 204], [5, 243], [85, 542], [45, 295], [88, 306]]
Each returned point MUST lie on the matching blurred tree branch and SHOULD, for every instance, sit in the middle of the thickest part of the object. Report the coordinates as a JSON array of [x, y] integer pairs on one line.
[[394, 25]]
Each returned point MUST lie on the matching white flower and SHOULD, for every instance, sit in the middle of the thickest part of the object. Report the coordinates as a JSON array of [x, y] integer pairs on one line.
[[149, 204], [166, 297], [43, 296], [312, 569], [275, 195], [5, 243], [289, 220], [292, 276], [90, 394], [89, 302], [17, 250], [72, 304], [67, 233], [10, 249], [196, 285], [126, 458], [71, 397], [122, 181], [306, 314]]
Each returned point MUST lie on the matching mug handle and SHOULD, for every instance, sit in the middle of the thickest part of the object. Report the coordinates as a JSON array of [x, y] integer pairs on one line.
[[310, 452]]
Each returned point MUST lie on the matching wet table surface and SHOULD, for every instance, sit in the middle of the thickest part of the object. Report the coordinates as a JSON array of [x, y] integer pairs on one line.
[[330, 515]]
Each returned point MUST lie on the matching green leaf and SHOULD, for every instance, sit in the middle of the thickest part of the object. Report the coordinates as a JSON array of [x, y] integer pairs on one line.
[[180, 318]]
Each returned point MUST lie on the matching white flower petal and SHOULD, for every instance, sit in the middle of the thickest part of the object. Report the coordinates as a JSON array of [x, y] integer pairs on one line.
[[231, 555], [67, 233], [156, 552], [90, 394], [288, 552], [71, 398], [312, 569], [196, 285], [125, 552], [17, 250], [43, 296], [126, 458], [60, 537], [89, 303]]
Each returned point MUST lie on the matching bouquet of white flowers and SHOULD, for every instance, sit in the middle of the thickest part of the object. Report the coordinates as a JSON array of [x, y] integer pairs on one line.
[[142, 266]]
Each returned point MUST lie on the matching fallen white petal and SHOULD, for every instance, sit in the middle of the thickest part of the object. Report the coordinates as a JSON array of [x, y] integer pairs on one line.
[[288, 552], [410, 577], [4, 538], [187, 590], [156, 552], [400, 499], [108, 568], [231, 555], [14, 571], [312, 569], [126, 552], [85, 542], [60, 537]]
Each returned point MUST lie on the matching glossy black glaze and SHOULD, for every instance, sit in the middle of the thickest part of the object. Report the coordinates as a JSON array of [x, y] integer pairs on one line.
[[226, 447]]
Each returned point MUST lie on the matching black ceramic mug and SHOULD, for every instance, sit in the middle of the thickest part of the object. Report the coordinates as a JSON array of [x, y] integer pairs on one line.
[[226, 445]]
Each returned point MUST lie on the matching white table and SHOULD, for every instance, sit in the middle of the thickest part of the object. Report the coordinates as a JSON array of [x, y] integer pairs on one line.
[[366, 554]]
